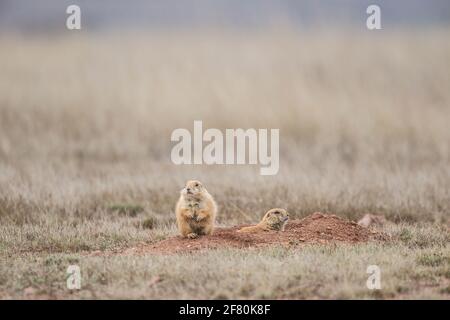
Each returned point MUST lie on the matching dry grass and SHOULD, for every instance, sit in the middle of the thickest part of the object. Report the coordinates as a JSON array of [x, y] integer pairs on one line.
[[85, 125], [408, 270]]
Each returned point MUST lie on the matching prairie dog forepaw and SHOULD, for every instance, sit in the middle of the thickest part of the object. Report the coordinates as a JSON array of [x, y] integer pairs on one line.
[[192, 235], [190, 215]]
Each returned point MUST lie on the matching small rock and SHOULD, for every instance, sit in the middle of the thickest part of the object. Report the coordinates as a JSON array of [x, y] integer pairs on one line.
[[154, 280], [29, 291], [370, 219]]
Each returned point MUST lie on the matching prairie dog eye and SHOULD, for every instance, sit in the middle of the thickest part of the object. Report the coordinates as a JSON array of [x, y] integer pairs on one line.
[[197, 185]]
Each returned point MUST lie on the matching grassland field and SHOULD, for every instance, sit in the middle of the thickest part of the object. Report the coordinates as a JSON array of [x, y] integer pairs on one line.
[[85, 124]]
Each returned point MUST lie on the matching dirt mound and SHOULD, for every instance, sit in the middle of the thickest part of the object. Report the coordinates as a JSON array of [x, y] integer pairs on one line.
[[316, 228]]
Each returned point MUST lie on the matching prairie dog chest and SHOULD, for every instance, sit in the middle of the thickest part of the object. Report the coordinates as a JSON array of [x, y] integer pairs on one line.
[[194, 206]]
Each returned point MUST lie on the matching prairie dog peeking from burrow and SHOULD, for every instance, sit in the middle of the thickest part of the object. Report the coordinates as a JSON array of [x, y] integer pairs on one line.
[[274, 219]]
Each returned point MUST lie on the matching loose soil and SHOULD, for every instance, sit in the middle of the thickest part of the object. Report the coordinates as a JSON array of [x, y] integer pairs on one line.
[[317, 228]]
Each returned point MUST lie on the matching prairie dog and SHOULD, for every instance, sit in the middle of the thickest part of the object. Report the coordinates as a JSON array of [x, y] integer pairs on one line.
[[274, 219], [195, 210]]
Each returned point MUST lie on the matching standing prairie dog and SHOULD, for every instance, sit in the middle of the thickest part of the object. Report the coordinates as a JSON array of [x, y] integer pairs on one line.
[[195, 210], [274, 219]]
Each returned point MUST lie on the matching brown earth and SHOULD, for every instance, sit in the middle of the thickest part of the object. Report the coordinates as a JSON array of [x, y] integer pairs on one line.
[[317, 228]]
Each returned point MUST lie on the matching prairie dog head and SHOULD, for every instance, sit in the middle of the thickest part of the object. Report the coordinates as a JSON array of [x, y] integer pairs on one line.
[[276, 219], [193, 189]]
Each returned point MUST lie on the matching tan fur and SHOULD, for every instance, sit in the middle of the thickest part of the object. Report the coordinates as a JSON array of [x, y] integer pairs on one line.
[[274, 219], [195, 210]]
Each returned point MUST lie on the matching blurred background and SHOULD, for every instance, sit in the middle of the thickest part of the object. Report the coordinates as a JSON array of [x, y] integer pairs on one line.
[[86, 115]]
